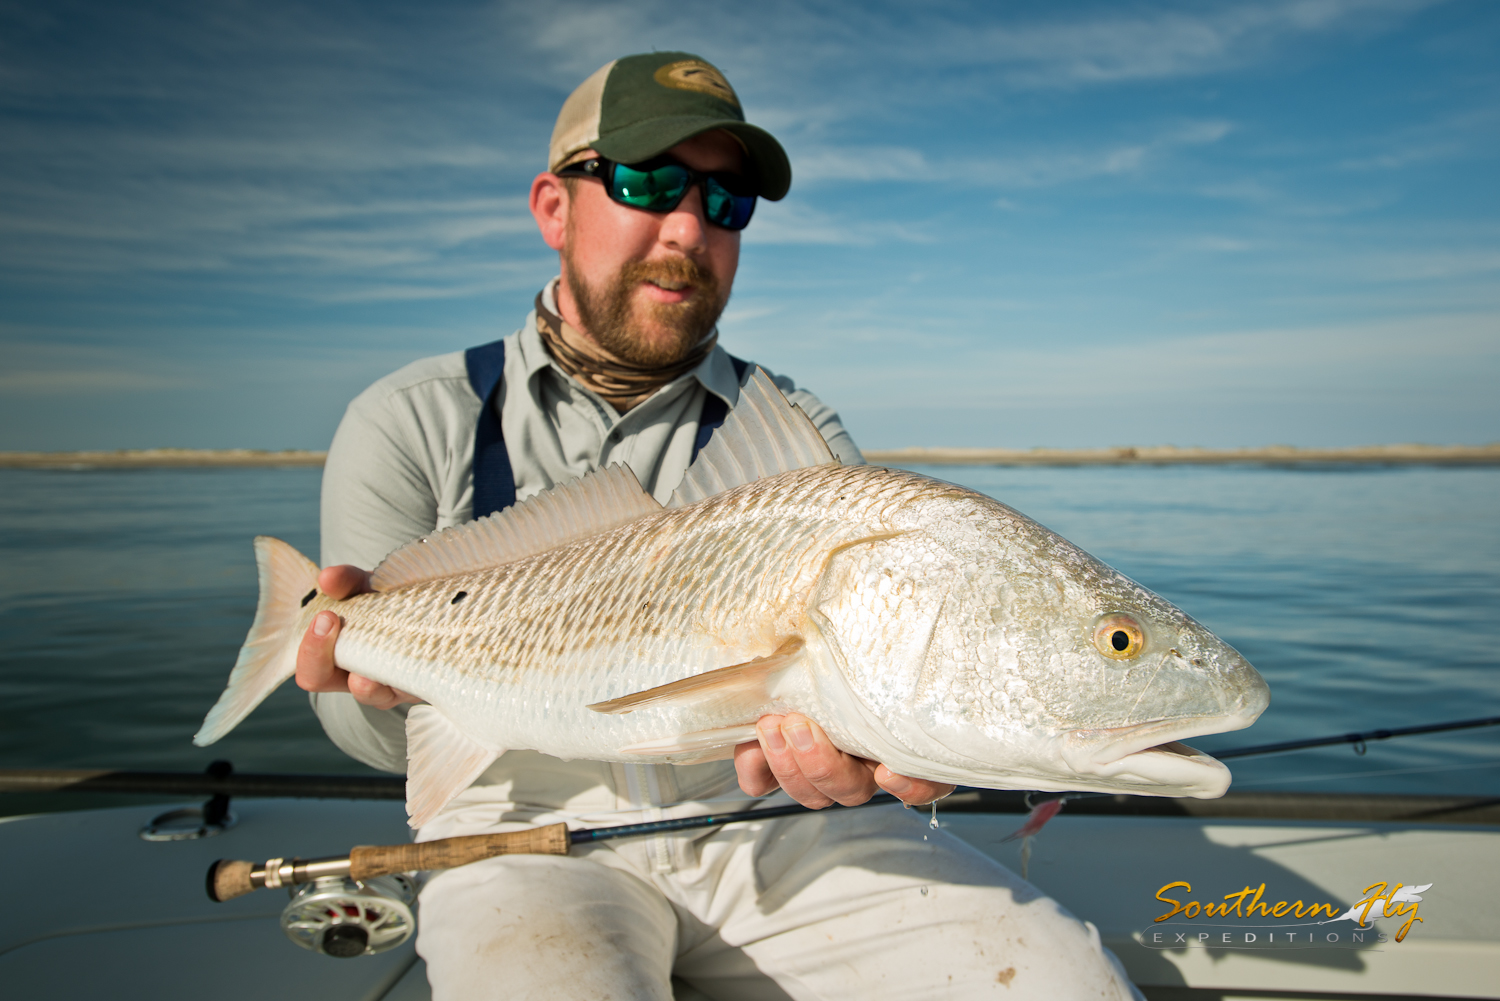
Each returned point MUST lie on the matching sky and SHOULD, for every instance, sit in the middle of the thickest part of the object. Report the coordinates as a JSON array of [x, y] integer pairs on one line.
[[1010, 224]]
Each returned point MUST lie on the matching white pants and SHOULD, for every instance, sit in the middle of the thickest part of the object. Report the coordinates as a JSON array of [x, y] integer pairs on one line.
[[864, 904]]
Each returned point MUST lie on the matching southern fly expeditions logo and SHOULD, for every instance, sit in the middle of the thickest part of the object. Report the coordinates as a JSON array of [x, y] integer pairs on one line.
[[1248, 919]]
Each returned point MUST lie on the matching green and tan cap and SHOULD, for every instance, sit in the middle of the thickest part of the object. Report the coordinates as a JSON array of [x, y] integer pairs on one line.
[[638, 107]]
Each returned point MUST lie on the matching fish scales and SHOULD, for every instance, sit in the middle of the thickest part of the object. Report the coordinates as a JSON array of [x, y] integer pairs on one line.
[[672, 595], [923, 625]]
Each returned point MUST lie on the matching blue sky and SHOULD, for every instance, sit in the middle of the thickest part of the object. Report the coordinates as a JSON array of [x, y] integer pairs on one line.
[[1011, 224]]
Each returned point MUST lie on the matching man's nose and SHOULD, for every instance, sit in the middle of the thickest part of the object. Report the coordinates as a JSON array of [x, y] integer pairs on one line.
[[684, 228]]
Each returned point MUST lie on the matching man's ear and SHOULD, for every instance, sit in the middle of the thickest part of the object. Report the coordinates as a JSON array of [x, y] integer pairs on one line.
[[549, 207]]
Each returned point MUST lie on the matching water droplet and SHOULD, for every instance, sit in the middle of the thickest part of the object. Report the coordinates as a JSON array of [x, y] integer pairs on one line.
[[924, 891], [933, 822]]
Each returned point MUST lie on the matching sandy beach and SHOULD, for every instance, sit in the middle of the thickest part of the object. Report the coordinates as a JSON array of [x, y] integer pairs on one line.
[[1170, 455], [157, 458], [1156, 455]]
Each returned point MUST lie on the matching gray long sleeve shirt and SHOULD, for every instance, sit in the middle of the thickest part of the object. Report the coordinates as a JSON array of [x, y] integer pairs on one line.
[[401, 466]]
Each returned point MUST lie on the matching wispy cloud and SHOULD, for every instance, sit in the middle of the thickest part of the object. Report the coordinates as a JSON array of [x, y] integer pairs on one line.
[[1450, 135], [796, 222], [1114, 45], [865, 163], [1059, 164], [1417, 266], [1217, 244], [240, 229], [211, 194], [1051, 167], [1335, 360], [83, 380], [1100, 43], [288, 147], [292, 138], [73, 363]]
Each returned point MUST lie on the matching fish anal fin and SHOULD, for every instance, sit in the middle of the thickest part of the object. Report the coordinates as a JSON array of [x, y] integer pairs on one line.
[[695, 748], [269, 655], [595, 502], [746, 684], [441, 762], [764, 434]]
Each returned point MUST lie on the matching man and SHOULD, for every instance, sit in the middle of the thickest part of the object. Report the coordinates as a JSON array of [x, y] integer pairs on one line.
[[653, 173]]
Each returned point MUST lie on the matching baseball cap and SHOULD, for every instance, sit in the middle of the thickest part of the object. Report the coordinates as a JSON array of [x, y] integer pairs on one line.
[[638, 107]]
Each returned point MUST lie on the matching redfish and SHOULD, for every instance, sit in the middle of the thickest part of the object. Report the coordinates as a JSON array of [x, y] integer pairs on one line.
[[921, 624]]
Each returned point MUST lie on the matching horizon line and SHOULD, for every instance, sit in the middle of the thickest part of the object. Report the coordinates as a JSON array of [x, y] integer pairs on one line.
[[1406, 454]]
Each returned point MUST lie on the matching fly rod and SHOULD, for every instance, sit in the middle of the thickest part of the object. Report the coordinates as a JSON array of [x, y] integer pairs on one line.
[[221, 780], [228, 879], [1357, 739]]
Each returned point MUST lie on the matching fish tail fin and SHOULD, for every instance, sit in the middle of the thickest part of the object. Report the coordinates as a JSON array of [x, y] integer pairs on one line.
[[269, 655]]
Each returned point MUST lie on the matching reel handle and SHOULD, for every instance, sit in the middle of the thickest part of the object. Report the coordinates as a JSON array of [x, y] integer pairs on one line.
[[228, 878]]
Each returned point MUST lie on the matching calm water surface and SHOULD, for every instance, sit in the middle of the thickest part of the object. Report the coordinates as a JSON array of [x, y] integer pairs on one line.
[[1367, 597]]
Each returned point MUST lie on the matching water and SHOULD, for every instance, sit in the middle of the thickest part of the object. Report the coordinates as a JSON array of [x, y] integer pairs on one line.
[[1367, 597], [124, 596]]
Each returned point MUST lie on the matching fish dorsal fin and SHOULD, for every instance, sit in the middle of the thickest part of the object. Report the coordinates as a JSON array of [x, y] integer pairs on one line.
[[595, 502], [763, 435]]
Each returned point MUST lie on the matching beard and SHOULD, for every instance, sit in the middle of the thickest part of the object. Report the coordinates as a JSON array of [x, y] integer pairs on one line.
[[649, 334]]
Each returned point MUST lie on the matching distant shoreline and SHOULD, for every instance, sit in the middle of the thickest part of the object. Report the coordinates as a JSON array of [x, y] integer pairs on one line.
[[160, 458], [1170, 455], [1159, 455]]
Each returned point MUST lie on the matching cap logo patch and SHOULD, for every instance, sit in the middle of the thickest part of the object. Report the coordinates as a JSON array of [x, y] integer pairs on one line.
[[696, 75]]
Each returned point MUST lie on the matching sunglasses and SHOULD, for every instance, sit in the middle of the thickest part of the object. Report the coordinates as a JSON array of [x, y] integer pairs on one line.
[[661, 184]]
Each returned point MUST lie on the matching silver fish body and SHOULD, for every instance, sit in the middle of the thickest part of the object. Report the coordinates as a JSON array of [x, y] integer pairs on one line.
[[922, 624], [943, 633]]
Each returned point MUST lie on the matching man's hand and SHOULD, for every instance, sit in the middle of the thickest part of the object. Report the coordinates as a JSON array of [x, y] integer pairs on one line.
[[794, 753], [316, 671]]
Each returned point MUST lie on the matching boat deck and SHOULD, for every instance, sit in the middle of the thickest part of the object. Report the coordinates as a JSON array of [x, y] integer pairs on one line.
[[95, 910]]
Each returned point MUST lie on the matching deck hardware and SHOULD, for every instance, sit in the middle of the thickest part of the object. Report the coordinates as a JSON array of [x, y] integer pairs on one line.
[[193, 822]]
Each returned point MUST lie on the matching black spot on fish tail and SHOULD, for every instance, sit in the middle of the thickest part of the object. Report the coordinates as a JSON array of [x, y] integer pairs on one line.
[[460, 596], [309, 597]]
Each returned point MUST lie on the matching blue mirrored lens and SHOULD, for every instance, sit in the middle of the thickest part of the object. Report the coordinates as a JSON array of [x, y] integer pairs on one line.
[[724, 208], [662, 188], [656, 190]]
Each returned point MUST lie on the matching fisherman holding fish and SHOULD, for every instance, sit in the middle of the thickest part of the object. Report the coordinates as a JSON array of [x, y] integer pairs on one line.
[[653, 173]]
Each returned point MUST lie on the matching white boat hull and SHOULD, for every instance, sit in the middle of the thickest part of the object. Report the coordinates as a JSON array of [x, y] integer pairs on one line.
[[93, 911]]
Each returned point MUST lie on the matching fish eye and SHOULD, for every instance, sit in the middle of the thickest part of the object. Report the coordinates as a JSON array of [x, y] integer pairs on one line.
[[1119, 636]]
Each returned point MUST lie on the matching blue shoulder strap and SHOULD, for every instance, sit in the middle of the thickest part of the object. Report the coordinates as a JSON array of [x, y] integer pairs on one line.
[[494, 481], [715, 409]]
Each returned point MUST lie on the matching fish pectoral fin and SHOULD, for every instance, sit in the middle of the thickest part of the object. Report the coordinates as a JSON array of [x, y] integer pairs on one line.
[[746, 684], [705, 745], [441, 762]]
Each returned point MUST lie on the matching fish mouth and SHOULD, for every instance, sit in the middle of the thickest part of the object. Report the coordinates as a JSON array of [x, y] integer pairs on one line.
[[1150, 759]]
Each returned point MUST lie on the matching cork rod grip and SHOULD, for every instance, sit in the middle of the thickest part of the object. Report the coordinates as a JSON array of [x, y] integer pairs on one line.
[[382, 860], [228, 879]]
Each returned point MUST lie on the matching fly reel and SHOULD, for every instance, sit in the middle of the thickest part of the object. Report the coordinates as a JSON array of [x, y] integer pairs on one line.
[[344, 917]]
